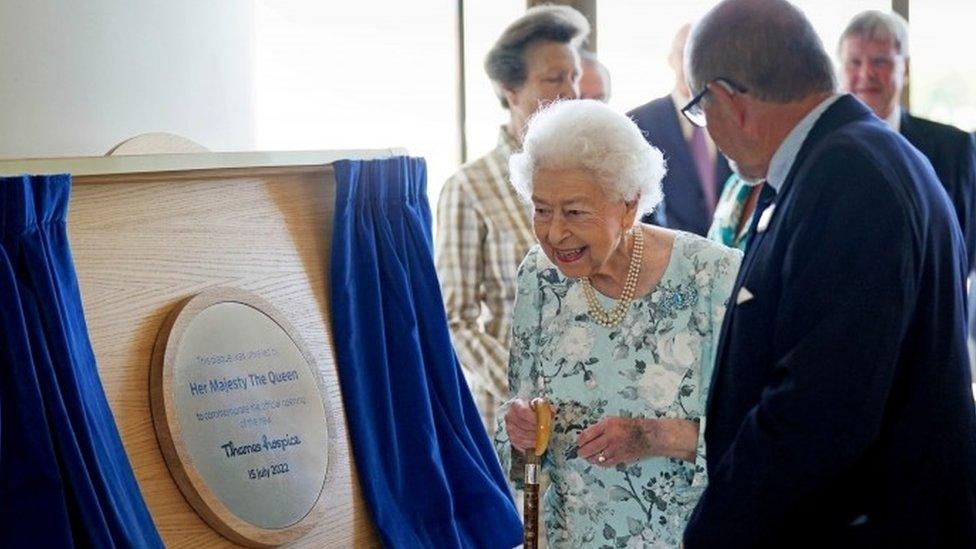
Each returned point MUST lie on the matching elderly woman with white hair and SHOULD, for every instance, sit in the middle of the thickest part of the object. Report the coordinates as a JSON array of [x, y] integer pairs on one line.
[[615, 324]]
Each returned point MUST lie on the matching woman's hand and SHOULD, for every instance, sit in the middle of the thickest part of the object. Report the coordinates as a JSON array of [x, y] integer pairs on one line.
[[521, 424], [616, 440]]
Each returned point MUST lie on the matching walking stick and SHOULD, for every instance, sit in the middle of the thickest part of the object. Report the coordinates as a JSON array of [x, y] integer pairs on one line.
[[543, 416]]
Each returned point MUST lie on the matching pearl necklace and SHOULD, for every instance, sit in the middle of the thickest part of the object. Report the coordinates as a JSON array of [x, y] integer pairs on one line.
[[610, 319]]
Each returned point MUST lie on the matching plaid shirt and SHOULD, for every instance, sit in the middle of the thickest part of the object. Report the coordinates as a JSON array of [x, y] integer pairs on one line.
[[484, 231]]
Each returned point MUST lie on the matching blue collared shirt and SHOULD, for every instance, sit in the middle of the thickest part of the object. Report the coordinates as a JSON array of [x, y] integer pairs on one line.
[[782, 161]]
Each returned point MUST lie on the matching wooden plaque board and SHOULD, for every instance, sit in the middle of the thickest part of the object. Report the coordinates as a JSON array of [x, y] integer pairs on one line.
[[148, 232]]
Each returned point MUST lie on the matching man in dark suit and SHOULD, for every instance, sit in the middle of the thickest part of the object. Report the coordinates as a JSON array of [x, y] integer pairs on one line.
[[696, 170], [873, 52], [840, 412]]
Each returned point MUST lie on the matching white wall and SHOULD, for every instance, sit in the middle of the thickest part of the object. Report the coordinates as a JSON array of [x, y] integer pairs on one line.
[[360, 74], [79, 77]]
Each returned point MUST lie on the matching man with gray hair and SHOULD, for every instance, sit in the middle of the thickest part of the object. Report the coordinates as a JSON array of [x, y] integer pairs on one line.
[[873, 53], [595, 78], [874, 58], [483, 229], [840, 411]]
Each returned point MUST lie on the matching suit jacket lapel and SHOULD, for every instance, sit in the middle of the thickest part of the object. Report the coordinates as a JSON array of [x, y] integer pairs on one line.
[[680, 154], [755, 240]]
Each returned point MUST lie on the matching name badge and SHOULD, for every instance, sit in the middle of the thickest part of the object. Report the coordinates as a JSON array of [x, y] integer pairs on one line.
[[765, 218]]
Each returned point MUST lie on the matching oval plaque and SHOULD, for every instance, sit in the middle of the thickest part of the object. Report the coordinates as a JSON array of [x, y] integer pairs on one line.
[[240, 418]]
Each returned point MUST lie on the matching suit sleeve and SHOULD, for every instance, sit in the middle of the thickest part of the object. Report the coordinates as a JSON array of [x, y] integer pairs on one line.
[[847, 286]]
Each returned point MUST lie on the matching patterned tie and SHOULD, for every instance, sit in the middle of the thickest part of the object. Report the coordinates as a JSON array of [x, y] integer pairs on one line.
[[705, 167]]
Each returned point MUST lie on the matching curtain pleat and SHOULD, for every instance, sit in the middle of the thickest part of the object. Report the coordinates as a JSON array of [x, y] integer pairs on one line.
[[426, 466], [65, 479]]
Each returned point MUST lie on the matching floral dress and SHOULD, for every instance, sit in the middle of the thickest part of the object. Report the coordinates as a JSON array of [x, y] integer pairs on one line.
[[656, 363]]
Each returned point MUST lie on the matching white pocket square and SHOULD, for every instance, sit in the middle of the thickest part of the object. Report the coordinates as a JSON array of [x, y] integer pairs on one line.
[[744, 295], [765, 218]]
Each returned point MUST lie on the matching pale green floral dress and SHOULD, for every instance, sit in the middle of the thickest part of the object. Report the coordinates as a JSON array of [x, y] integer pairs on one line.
[[656, 363]]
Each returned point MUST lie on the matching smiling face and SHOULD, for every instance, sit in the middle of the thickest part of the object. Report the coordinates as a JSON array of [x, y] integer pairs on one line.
[[579, 227], [874, 71]]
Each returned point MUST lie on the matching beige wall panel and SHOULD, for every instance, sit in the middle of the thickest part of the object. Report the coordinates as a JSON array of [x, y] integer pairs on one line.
[[143, 243]]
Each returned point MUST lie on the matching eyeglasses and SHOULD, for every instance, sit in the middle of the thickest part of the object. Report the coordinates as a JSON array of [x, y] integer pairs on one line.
[[694, 111]]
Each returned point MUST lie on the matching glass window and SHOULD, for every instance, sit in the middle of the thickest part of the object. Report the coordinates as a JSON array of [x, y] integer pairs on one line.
[[635, 39], [830, 17], [942, 72], [483, 24], [634, 42], [354, 75]]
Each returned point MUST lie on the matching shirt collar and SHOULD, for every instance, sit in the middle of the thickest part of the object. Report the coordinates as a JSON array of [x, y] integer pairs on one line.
[[782, 161], [894, 119]]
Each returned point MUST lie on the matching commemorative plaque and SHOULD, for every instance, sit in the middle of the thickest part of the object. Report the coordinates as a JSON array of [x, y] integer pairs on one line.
[[240, 417]]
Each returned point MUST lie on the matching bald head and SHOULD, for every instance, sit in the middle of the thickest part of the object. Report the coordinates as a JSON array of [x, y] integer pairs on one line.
[[766, 46], [676, 59], [595, 79]]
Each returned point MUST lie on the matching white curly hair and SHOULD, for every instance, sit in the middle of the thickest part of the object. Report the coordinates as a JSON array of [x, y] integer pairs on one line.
[[587, 134]]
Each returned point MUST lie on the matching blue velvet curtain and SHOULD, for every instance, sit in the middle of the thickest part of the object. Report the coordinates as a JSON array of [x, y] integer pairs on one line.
[[426, 466], [65, 479]]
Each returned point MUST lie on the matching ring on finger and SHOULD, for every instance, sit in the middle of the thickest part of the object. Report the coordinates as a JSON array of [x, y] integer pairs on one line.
[[601, 457]]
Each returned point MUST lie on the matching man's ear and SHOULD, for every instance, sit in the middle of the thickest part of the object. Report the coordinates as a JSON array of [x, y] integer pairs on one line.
[[727, 99]]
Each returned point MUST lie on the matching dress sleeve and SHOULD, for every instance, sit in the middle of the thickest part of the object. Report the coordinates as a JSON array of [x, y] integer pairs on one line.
[[724, 269], [523, 360]]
